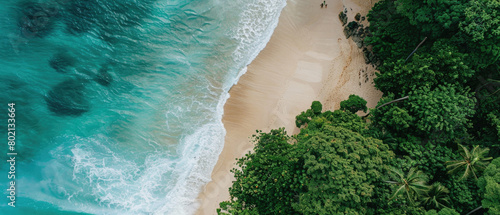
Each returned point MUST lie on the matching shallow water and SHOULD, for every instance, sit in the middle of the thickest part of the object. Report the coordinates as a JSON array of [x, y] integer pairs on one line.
[[119, 103]]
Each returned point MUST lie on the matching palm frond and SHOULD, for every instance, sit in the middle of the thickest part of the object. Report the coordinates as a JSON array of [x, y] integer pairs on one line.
[[472, 161], [436, 197], [411, 186]]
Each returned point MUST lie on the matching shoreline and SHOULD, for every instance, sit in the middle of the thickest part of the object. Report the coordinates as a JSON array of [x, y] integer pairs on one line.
[[307, 58]]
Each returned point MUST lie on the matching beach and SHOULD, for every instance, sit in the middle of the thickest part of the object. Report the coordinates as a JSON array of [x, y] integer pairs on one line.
[[308, 58]]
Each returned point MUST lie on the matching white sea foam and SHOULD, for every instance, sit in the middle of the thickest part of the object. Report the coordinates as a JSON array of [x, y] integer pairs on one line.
[[109, 179], [201, 150], [199, 154], [255, 29]]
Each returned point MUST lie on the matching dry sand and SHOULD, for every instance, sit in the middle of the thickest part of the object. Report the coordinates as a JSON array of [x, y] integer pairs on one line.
[[308, 58]]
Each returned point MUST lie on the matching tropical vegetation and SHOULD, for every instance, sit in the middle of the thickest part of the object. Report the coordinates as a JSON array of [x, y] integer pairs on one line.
[[430, 146]]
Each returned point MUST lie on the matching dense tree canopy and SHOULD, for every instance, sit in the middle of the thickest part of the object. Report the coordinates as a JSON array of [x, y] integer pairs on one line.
[[267, 181], [443, 111], [442, 65], [431, 136], [342, 169], [329, 169]]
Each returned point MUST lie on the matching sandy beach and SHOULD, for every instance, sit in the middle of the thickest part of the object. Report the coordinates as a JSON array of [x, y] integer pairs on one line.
[[308, 58]]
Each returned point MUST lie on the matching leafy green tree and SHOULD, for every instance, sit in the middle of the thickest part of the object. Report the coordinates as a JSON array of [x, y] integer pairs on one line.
[[436, 18], [342, 169], [436, 197], [389, 32], [430, 157], [389, 117], [443, 64], [353, 104], [410, 186], [346, 120], [489, 185], [398, 118], [464, 194], [443, 111], [486, 122], [482, 26], [267, 180], [316, 107], [471, 162], [328, 170], [304, 117], [473, 24], [340, 118]]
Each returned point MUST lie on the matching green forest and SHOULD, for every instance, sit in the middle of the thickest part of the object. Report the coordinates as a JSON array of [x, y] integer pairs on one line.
[[430, 146]]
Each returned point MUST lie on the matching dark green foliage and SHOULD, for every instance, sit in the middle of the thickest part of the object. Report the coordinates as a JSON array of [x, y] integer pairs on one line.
[[317, 107], [442, 65], [389, 32], [353, 104], [495, 122], [391, 117], [357, 17], [441, 112], [339, 118], [346, 120], [486, 123], [329, 170], [338, 161], [436, 197], [429, 157], [397, 118], [235, 207], [408, 187], [342, 168], [464, 194], [489, 186], [470, 24], [471, 163], [304, 117], [407, 210], [481, 26], [353, 25], [444, 211], [437, 18], [268, 179]]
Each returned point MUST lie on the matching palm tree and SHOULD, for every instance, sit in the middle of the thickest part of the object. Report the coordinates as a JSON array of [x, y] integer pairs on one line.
[[411, 186], [436, 197], [472, 161]]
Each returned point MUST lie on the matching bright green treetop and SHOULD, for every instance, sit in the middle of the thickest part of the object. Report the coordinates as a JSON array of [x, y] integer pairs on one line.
[[489, 185], [342, 169], [444, 111], [353, 104]]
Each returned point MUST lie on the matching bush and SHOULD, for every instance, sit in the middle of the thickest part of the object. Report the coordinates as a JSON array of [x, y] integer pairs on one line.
[[353, 104]]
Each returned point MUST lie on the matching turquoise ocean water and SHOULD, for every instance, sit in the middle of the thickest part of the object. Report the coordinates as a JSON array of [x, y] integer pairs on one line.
[[119, 102]]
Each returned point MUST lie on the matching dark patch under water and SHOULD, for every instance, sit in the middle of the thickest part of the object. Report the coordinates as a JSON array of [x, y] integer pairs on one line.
[[68, 98], [103, 77], [62, 61], [37, 19], [86, 15]]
